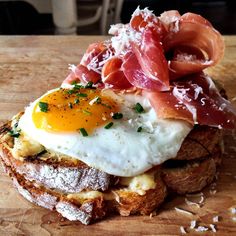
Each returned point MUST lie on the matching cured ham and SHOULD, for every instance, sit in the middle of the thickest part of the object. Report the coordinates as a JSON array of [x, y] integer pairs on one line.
[[136, 75], [82, 74], [198, 36], [164, 57], [196, 100], [151, 58], [113, 75]]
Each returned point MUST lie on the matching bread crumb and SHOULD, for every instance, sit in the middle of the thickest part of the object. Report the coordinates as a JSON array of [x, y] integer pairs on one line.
[[182, 230]]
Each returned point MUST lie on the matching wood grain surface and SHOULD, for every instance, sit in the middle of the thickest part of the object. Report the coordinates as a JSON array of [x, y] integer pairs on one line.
[[31, 65]]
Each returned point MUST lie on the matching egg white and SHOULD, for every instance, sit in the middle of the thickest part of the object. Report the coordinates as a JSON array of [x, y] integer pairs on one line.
[[120, 150]]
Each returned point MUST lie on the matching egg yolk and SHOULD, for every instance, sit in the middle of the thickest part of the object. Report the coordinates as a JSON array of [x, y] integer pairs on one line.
[[71, 110]]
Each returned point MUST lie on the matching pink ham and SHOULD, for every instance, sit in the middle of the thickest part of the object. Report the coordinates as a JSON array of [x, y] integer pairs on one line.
[[195, 33], [194, 99], [113, 75]]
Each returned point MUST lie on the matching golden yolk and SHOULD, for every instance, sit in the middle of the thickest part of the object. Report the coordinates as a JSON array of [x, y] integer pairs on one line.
[[70, 110]]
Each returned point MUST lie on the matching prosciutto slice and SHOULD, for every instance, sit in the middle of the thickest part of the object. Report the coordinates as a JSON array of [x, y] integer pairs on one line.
[[136, 75], [197, 36], [113, 75], [196, 100], [82, 74]]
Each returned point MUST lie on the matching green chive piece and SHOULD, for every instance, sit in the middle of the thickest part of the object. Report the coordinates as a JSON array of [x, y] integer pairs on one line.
[[139, 129], [70, 105], [87, 112], [43, 106], [117, 116], [78, 86], [83, 132], [106, 105], [138, 108], [14, 134], [82, 95], [98, 100], [76, 101], [89, 85], [70, 91], [74, 82], [109, 125]]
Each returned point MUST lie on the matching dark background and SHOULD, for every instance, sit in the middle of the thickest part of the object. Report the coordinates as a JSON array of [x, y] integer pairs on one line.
[[20, 18]]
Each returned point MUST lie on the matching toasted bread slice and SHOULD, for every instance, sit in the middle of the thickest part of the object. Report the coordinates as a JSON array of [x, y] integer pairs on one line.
[[54, 171], [77, 208], [92, 196], [191, 176]]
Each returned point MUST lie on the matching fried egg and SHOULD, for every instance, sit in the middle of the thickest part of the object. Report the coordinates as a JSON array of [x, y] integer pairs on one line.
[[117, 133]]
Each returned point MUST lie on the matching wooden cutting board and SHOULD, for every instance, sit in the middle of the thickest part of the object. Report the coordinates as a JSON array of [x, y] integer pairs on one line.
[[31, 65]]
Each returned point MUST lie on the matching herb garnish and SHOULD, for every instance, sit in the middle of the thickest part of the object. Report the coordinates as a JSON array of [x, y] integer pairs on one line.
[[98, 100], [89, 85], [43, 106], [76, 101], [70, 105], [83, 132], [139, 129], [82, 95], [78, 86], [138, 108], [109, 125], [87, 112], [14, 134], [117, 116]]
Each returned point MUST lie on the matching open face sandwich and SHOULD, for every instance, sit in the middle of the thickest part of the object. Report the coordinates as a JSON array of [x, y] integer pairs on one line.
[[135, 120]]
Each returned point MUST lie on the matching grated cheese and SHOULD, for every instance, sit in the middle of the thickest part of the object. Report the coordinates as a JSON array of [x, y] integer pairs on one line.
[[72, 67], [182, 230], [201, 229], [215, 219], [184, 211], [213, 228], [190, 203], [233, 210], [193, 224], [194, 194]]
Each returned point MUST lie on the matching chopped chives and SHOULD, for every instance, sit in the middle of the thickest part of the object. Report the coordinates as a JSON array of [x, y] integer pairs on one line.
[[87, 112], [78, 86], [139, 129], [43, 106], [70, 105], [82, 95], [14, 134], [106, 105], [138, 108], [83, 132], [89, 85], [70, 91], [109, 125], [98, 100], [117, 116], [76, 101]]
